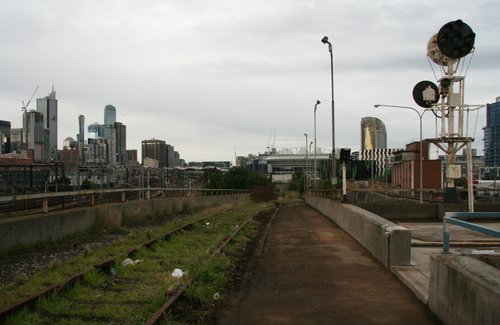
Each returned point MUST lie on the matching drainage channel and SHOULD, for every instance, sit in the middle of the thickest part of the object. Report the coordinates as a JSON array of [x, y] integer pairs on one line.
[[109, 288]]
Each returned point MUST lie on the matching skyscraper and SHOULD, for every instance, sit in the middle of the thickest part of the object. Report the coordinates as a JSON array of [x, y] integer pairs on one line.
[[34, 135], [109, 115], [373, 134], [48, 107], [118, 144], [81, 129], [492, 135]]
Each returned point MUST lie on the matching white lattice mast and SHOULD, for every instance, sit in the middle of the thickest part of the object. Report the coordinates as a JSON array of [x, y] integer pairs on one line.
[[454, 41]]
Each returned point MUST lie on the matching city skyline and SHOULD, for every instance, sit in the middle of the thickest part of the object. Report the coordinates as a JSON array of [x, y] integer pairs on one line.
[[215, 79]]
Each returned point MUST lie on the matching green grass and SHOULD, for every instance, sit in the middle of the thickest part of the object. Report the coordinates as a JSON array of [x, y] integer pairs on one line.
[[136, 291]]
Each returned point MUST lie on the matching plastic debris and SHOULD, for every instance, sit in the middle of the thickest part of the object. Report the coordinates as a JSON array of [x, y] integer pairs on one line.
[[177, 273], [113, 271], [129, 261], [216, 296]]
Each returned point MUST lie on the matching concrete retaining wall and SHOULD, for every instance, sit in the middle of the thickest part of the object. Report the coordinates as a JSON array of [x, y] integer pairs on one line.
[[55, 225], [415, 211], [464, 290], [35, 228], [387, 242]]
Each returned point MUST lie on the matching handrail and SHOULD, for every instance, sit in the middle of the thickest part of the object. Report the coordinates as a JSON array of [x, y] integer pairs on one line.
[[455, 218], [32, 201]]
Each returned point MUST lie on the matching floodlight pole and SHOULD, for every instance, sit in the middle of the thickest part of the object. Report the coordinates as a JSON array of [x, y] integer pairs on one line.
[[324, 40], [307, 166], [315, 148], [310, 144], [421, 153]]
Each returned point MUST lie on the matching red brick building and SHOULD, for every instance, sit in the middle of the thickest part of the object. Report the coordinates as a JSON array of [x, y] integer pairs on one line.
[[406, 169]]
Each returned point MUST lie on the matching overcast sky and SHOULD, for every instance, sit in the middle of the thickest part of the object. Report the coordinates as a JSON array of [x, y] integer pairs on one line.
[[215, 78]]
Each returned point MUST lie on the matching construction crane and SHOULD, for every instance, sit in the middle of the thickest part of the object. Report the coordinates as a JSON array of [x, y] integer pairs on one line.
[[271, 144], [25, 106]]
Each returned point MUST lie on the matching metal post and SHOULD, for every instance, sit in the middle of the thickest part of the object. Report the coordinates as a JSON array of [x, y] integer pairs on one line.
[[420, 115], [324, 40], [315, 148], [470, 177], [307, 167], [446, 236], [421, 159], [344, 182], [310, 144]]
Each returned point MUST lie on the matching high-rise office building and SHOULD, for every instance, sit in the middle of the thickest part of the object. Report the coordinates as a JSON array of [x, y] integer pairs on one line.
[[81, 129], [118, 144], [109, 115], [373, 134], [48, 107], [34, 135], [109, 121], [169, 156], [492, 135], [4, 137], [154, 149], [95, 131]]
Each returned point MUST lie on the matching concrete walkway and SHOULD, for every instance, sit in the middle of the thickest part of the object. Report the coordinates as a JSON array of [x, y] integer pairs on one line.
[[308, 271]]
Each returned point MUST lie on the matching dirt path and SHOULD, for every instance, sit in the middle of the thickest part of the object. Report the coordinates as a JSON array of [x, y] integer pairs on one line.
[[308, 271]]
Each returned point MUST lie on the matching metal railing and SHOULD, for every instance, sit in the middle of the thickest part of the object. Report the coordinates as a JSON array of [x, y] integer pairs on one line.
[[44, 202], [456, 218]]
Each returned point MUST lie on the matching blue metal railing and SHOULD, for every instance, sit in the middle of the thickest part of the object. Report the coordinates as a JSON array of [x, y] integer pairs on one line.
[[457, 218]]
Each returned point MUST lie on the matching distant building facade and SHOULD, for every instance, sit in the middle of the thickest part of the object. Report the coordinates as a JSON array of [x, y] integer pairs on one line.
[[406, 169], [381, 158], [16, 140], [373, 134], [154, 149], [4, 137], [132, 157], [492, 135]]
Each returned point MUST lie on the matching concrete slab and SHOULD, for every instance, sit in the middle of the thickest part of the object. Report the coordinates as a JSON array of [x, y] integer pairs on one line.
[[433, 232], [427, 240]]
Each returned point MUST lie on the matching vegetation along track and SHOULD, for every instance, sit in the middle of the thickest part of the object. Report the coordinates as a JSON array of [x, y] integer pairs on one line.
[[136, 293]]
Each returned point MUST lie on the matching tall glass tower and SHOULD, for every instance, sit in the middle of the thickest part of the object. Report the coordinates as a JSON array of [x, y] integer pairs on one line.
[[109, 115], [48, 107], [81, 129], [373, 134], [492, 135]]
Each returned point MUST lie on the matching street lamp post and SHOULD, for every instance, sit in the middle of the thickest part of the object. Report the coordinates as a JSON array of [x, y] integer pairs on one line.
[[307, 167], [324, 40], [310, 144], [315, 149], [421, 153]]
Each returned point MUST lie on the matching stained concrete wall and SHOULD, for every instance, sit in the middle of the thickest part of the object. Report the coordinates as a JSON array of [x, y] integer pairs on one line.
[[387, 242], [35, 228], [55, 225], [464, 290]]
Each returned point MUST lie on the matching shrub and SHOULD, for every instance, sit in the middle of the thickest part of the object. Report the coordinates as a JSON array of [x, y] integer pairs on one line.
[[263, 194]]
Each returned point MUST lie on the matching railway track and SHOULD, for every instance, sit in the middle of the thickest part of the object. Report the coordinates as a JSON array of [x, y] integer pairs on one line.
[[144, 290]]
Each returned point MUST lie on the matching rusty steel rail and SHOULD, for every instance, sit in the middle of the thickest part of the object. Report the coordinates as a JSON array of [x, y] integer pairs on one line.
[[161, 312], [104, 266]]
